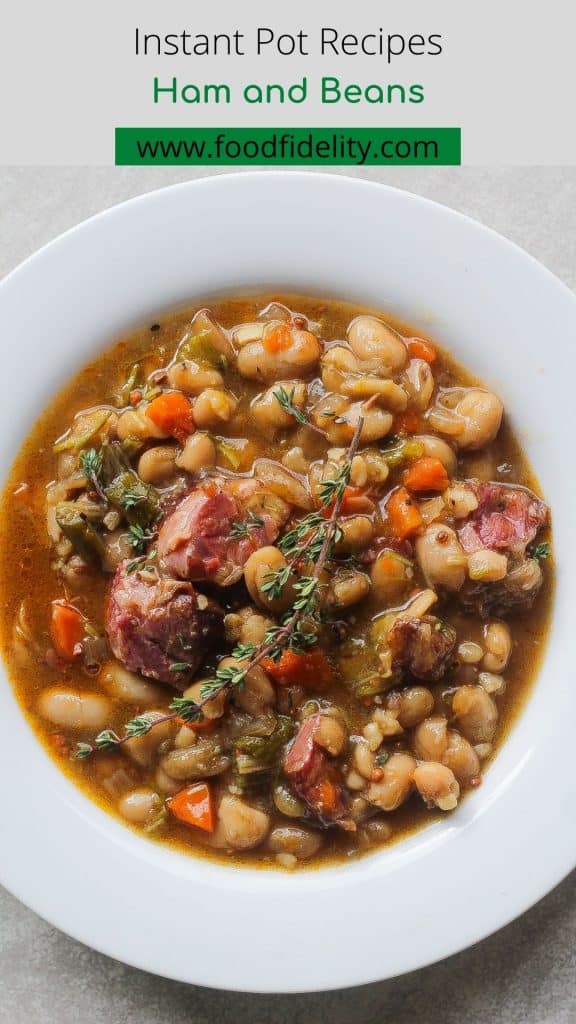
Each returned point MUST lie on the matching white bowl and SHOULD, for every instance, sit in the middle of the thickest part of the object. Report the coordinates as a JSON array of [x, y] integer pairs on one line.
[[506, 318]]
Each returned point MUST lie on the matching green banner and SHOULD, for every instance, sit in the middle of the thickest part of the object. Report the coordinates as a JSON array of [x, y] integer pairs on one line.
[[289, 146]]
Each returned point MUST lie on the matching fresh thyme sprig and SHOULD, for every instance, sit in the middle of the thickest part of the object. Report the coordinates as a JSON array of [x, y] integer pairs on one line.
[[138, 538], [285, 400], [244, 527], [292, 633], [142, 562], [132, 497], [540, 551], [92, 465]]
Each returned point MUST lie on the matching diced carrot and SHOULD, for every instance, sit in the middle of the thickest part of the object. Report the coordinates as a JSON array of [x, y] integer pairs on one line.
[[194, 806], [172, 413], [311, 669], [66, 628], [408, 422], [354, 502], [426, 474], [278, 339], [325, 796], [419, 349], [403, 517]]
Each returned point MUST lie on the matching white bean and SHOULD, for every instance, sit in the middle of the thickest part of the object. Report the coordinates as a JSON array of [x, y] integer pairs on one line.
[[257, 362], [75, 709], [414, 704], [280, 481], [462, 759], [391, 576], [396, 784], [199, 452], [387, 722], [492, 683], [437, 785], [129, 687], [372, 735], [211, 709], [430, 738], [441, 557], [267, 412], [140, 806], [193, 378], [487, 566], [258, 573], [257, 694], [347, 587], [471, 416], [213, 408], [356, 533], [370, 338], [498, 645], [418, 380], [476, 714], [243, 826], [470, 653], [295, 460], [330, 734], [291, 839], [134, 423], [157, 465], [460, 500], [339, 417], [143, 749], [363, 759]]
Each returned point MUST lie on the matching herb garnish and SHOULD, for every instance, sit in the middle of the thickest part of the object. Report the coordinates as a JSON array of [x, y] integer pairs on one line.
[[92, 466], [242, 529], [285, 400], [295, 632], [540, 551], [138, 537]]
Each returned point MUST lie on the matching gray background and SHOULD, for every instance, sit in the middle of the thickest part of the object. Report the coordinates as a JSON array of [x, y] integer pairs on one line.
[[525, 974]]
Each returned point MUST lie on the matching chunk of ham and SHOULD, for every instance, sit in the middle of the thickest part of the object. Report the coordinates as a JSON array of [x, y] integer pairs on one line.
[[196, 541], [507, 518], [157, 626], [424, 646], [313, 777]]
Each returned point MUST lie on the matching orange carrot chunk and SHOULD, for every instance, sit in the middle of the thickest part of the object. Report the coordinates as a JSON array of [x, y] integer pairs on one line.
[[354, 502], [426, 474], [325, 795], [310, 669], [66, 629], [403, 517], [172, 413], [278, 339], [419, 349], [194, 806]]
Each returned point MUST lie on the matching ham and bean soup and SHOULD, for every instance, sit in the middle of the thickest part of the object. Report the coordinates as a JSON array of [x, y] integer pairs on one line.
[[275, 580]]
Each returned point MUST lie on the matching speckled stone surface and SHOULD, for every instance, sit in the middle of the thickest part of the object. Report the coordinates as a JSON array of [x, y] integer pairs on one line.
[[526, 973]]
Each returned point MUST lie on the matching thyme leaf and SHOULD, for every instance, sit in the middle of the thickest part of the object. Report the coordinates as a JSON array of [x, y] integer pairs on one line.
[[243, 528], [540, 551]]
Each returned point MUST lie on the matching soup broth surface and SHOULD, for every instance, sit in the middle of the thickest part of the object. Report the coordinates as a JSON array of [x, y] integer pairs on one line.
[[382, 706]]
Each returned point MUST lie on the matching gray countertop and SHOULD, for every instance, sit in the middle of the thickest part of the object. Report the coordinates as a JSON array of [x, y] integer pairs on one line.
[[525, 974]]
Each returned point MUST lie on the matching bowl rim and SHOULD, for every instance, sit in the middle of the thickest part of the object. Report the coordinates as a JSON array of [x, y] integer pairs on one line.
[[435, 838]]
